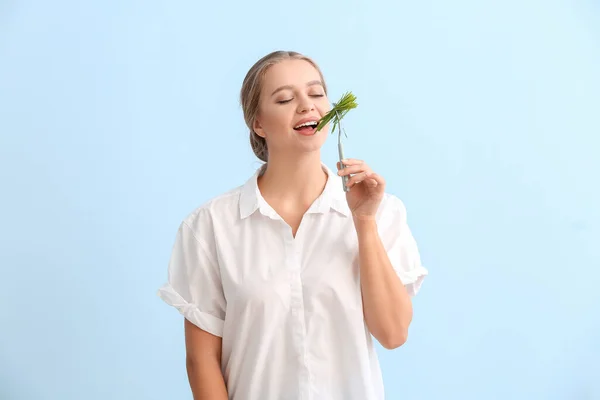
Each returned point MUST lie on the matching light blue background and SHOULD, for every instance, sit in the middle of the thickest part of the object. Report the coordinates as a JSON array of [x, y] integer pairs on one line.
[[118, 118]]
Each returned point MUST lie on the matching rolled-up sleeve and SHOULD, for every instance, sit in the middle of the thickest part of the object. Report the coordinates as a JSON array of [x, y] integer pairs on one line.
[[194, 285], [401, 246]]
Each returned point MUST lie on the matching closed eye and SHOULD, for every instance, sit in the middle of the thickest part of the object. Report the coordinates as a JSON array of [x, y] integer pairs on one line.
[[287, 101]]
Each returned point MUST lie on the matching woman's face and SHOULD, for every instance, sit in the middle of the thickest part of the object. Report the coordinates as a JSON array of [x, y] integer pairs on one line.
[[292, 94]]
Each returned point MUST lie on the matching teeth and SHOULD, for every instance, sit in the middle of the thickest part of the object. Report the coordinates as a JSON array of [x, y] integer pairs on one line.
[[311, 123]]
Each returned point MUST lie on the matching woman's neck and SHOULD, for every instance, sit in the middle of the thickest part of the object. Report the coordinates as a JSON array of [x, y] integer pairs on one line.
[[293, 183]]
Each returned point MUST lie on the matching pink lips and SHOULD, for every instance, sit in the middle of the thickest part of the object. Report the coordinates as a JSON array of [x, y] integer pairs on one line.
[[306, 131], [308, 119]]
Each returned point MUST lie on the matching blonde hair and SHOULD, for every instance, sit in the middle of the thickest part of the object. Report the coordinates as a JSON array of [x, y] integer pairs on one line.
[[251, 90]]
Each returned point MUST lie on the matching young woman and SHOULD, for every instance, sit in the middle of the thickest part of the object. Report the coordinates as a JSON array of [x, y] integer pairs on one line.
[[284, 280]]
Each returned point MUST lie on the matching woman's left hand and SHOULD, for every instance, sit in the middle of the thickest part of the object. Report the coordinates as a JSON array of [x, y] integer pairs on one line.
[[366, 188]]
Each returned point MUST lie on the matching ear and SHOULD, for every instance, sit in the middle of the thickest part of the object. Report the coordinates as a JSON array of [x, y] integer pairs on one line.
[[257, 127]]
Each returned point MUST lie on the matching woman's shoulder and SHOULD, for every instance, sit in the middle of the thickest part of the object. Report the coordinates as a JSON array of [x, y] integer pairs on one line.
[[392, 205], [224, 206]]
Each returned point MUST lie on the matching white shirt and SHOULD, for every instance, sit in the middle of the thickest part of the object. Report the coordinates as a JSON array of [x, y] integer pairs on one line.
[[289, 310]]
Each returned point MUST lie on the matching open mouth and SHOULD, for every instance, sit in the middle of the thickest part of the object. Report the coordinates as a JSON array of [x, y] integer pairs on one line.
[[307, 127]]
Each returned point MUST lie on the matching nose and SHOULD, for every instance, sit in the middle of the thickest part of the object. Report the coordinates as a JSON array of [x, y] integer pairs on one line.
[[305, 105]]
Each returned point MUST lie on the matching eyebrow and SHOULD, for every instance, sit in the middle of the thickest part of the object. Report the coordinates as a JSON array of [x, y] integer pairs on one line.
[[290, 87]]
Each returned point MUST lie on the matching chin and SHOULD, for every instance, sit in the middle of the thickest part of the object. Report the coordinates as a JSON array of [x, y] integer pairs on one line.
[[312, 146]]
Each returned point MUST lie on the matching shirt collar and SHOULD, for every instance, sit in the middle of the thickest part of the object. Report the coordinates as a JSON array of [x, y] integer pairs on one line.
[[332, 197]]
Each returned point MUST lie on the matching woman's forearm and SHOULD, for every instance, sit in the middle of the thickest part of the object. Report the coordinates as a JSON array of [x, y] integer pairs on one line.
[[203, 364], [386, 303], [206, 379]]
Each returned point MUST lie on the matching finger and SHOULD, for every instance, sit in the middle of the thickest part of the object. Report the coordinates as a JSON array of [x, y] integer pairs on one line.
[[370, 183], [353, 169], [375, 180], [340, 166], [358, 178], [351, 161]]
